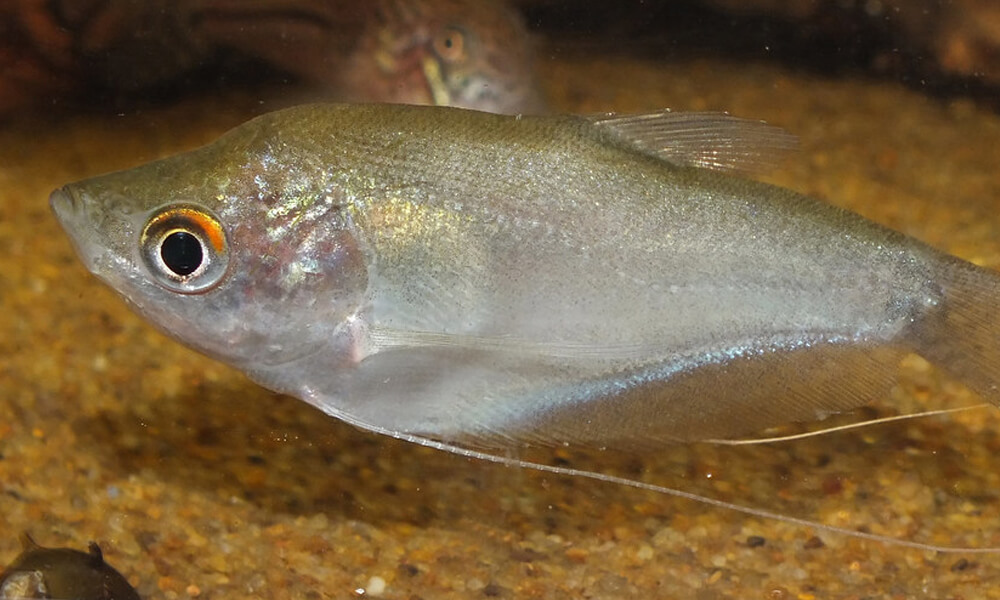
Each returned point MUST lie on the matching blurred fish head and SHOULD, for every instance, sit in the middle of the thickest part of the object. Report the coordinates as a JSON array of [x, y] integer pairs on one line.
[[206, 244], [465, 53]]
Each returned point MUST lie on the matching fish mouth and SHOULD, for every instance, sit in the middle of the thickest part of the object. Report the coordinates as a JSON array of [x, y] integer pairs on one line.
[[435, 81], [62, 202], [73, 215], [68, 210]]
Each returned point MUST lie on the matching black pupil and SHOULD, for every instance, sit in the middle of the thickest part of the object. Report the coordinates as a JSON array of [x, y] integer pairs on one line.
[[181, 252]]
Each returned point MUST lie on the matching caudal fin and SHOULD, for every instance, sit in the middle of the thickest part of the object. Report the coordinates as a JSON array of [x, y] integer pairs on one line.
[[962, 334]]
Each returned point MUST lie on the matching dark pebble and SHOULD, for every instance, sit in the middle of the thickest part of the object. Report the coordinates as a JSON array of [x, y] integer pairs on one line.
[[814, 543], [961, 565]]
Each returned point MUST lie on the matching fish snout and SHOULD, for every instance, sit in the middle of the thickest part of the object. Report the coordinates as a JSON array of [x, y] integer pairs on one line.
[[74, 215], [64, 204]]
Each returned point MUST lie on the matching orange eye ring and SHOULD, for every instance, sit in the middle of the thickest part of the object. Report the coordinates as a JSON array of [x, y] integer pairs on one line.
[[449, 45], [185, 248]]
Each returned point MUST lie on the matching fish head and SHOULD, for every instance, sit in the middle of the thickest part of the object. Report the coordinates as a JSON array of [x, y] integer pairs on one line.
[[232, 249], [466, 53]]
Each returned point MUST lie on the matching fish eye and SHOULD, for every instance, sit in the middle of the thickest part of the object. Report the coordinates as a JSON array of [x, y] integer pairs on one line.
[[185, 248], [449, 44]]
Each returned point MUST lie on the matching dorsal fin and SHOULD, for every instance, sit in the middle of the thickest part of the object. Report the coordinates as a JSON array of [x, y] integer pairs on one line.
[[710, 140]]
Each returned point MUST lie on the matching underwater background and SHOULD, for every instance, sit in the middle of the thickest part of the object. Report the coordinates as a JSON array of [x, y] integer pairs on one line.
[[197, 483]]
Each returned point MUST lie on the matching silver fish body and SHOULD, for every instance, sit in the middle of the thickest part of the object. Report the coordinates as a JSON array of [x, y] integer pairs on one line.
[[440, 273]]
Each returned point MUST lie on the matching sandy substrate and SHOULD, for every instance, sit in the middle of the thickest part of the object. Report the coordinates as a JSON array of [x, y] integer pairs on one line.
[[198, 483]]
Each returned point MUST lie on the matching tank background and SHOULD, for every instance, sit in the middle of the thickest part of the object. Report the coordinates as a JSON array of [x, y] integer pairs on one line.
[[200, 484]]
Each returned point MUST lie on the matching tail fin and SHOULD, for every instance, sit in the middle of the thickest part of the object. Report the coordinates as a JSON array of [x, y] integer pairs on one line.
[[962, 334]]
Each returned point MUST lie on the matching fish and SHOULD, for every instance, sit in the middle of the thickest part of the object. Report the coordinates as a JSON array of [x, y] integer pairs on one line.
[[474, 54], [470, 53], [63, 573], [480, 282]]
